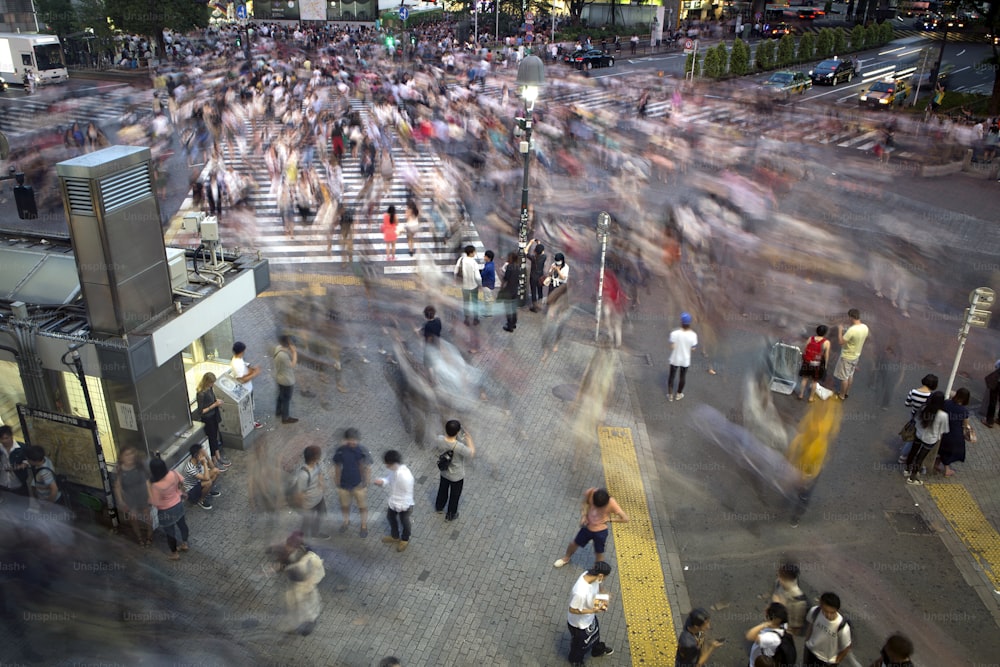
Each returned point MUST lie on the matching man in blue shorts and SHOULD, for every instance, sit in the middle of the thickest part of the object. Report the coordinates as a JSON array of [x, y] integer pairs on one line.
[[597, 511]]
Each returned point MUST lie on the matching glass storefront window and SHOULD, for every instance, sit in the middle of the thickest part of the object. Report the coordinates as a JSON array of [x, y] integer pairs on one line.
[[209, 354]]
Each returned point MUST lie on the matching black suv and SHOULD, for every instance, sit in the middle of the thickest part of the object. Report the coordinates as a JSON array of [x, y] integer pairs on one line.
[[832, 72]]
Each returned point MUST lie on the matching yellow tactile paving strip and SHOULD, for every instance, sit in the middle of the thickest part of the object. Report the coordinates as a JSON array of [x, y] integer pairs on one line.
[[652, 639], [963, 513]]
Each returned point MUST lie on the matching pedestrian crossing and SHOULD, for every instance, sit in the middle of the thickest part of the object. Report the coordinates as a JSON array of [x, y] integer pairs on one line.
[[443, 228], [26, 114], [899, 33], [791, 126]]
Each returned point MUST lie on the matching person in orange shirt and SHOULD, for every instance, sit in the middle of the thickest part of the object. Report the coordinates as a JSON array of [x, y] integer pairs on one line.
[[597, 511]]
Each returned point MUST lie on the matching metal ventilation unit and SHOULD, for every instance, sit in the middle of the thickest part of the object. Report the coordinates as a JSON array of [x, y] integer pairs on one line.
[[114, 222]]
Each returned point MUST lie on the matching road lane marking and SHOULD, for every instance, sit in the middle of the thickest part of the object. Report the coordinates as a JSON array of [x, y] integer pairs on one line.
[[651, 634], [973, 528]]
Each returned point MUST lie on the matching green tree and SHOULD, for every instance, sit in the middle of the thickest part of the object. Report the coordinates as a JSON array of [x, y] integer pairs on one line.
[[871, 35], [711, 67], [786, 51], [723, 59], [807, 47], [858, 38], [765, 54], [824, 43], [839, 40], [739, 60], [993, 25], [150, 17], [59, 17], [885, 32]]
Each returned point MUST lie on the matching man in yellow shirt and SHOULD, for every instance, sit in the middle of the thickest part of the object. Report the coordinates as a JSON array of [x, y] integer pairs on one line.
[[851, 342]]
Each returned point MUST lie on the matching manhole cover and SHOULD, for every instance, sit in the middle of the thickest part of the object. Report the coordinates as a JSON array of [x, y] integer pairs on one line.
[[909, 523], [566, 392]]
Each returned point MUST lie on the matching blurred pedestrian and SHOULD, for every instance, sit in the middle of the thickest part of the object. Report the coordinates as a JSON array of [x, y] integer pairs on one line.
[[400, 484], [412, 226], [828, 634], [351, 476], [852, 341], [896, 652], [597, 511], [585, 602], [557, 312], [304, 569], [286, 357], [308, 493], [788, 592], [132, 494], [960, 431], [614, 303], [682, 342], [454, 449], [165, 488], [694, 648]]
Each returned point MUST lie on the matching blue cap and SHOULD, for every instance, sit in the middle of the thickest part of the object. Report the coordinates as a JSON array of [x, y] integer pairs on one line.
[[685, 318]]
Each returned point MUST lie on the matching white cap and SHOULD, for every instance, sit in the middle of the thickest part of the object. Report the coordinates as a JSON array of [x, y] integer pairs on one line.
[[769, 643]]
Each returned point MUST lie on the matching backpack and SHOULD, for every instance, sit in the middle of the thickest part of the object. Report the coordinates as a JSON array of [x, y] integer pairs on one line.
[[292, 485], [814, 351], [785, 655]]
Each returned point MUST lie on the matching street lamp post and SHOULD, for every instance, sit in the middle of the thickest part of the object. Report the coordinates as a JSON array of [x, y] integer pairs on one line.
[[603, 228], [977, 315], [530, 79]]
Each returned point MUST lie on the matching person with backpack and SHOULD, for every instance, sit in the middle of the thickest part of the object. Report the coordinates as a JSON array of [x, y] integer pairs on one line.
[[828, 634], [772, 637], [42, 484], [307, 493], [815, 358]]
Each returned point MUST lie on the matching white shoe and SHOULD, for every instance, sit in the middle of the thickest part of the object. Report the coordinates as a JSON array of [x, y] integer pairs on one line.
[[559, 563], [678, 397]]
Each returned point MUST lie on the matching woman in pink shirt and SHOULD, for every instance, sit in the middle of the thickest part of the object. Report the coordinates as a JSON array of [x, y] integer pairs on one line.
[[166, 495]]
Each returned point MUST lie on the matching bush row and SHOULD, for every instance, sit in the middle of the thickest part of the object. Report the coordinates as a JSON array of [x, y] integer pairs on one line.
[[721, 61]]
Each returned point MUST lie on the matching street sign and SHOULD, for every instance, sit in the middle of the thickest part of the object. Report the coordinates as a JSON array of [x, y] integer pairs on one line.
[[982, 296], [404, 13], [241, 12], [688, 46], [978, 318]]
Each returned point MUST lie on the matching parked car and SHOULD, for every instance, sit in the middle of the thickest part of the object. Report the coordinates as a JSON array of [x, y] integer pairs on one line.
[[592, 58], [786, 83], [832, 72]]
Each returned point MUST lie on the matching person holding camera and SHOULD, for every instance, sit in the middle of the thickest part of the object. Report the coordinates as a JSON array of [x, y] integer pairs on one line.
[[455, 447]]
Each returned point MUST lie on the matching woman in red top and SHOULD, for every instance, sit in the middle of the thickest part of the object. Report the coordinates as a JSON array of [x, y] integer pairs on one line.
[[814, 360], [389, 222], [165, 494]]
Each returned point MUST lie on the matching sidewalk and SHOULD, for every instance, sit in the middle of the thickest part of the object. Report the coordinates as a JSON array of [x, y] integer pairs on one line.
[[480, 590]]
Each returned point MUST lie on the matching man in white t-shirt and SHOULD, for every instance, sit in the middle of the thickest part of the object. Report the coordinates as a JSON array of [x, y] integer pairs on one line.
[[582, 618], [682, 342], [828, 634], [244, 373]]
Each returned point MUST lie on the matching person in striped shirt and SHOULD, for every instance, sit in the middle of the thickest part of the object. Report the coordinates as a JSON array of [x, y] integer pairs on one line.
[[915, 400]]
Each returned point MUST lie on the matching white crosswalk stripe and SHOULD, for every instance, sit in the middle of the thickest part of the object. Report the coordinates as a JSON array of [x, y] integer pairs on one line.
[[310, 243], [26, 115]]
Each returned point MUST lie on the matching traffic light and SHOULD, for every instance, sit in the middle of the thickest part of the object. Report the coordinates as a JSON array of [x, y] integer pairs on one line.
[[390, 41]]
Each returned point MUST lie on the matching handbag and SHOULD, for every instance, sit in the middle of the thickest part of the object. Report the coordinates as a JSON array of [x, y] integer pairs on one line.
[[909, 431], [445, 458]]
